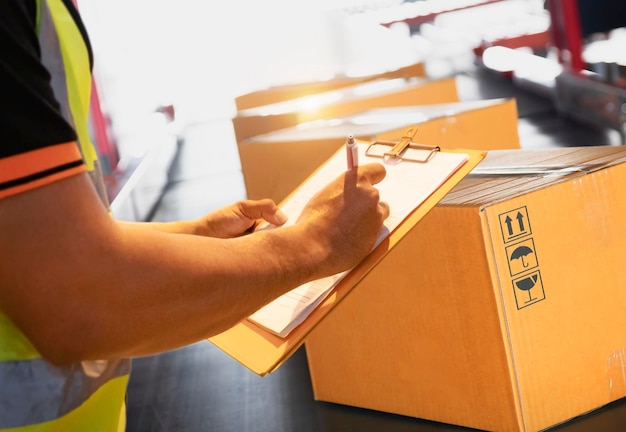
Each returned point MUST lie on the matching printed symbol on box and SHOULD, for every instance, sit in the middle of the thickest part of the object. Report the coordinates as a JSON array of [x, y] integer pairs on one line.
[[514, 224], [522, 257], [528, 290]]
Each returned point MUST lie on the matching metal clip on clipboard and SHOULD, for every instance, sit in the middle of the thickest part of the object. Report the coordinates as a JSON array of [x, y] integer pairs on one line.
[[398, 149]]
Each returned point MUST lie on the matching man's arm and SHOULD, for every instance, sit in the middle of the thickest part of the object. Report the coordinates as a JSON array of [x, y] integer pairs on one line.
[[83, 286]]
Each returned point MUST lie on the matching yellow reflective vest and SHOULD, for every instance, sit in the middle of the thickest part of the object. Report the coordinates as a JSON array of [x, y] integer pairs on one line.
[[36, 396]]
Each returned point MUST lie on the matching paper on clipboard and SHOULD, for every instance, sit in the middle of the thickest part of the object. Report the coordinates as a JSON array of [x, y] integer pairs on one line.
[[263, 351], [406, 185]]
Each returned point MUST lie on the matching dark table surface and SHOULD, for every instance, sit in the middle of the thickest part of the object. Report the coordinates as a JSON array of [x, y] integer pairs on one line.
[[199, 388]]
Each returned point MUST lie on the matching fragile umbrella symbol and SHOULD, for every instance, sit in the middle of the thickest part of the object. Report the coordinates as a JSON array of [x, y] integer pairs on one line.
[[520, 253]]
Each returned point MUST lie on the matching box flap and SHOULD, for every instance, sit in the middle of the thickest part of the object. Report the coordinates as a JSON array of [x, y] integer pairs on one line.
[[372, 122], [506, 174]]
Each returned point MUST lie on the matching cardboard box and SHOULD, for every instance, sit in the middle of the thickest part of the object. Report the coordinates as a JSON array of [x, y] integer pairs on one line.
[[280, 93], [274, 164], [348, 100], [502, 310]]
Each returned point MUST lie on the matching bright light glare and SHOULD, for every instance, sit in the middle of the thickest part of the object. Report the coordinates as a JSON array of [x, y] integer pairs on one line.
[[500, 59], [306, 103], [390, 118], [522, 64]]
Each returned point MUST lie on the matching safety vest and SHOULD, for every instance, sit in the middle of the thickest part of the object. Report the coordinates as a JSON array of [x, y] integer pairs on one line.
[[36, 396]]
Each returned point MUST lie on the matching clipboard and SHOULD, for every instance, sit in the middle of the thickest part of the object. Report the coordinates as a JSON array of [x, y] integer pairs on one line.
[[261, 350]]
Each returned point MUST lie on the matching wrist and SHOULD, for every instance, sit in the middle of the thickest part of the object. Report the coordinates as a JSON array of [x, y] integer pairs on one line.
[[298, 252]]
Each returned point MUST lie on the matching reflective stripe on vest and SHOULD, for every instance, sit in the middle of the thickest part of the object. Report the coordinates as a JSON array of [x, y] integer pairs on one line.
[[36, 396], [65, 55], [43, 397]]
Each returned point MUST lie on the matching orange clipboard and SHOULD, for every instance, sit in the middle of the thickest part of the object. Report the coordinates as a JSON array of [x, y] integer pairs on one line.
[[263, 352]]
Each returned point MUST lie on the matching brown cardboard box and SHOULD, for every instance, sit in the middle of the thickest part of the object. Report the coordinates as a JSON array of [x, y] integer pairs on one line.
[[274, 164], [502, 310], [348, 100], [285, 92]]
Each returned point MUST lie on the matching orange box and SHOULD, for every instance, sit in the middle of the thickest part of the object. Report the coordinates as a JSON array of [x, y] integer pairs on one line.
[[503, 308], [344, 101], [274, 164], [280, 93]]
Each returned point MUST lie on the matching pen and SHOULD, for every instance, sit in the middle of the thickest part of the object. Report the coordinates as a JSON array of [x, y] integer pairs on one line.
[[352, 152]]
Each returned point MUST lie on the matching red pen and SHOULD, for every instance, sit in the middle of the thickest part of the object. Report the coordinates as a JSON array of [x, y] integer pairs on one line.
[[352, 151]]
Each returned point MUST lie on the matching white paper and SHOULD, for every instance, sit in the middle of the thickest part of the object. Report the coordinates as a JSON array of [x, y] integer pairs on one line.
[[405, 187]]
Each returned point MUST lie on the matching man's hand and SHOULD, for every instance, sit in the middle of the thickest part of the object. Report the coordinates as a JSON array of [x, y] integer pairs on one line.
[[345, 218], [240, 218], [232, 221]]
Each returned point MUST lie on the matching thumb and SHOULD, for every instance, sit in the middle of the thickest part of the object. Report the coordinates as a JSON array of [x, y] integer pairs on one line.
[[264, 209], [373, 172]]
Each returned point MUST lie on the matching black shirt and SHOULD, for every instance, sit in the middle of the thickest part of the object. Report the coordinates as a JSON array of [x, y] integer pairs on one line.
[[30, 116]]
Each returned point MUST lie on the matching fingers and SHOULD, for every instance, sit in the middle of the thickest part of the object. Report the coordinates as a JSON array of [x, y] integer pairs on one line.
[[277, 218], [384, 209], [265, 209], [374, 173]]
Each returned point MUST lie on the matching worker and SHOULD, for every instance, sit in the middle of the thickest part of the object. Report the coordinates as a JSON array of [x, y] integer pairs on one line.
[[81, 294]]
